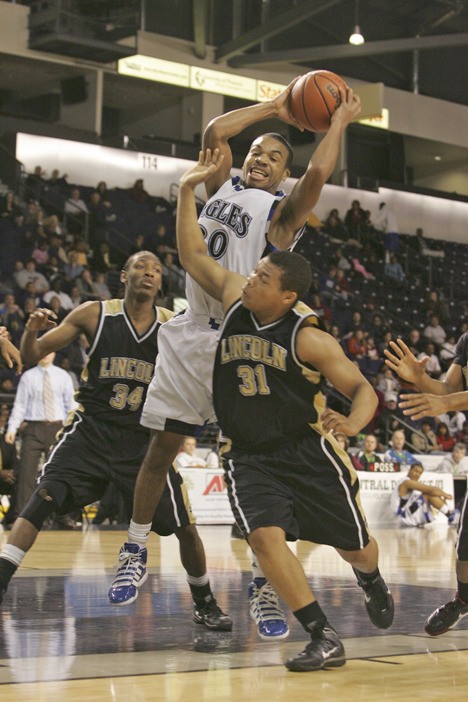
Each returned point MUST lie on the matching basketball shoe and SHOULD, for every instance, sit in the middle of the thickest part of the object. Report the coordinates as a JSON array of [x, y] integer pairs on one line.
[[378, 599], [265, 610], [454, 517], [324, 651], [211, 616], [131, 573], [446, 617]]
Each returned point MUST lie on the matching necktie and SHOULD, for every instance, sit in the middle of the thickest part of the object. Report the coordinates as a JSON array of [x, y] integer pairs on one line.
[[48, 397]]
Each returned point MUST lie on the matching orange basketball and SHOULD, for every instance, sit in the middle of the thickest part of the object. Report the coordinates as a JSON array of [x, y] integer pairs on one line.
[[314, 99]]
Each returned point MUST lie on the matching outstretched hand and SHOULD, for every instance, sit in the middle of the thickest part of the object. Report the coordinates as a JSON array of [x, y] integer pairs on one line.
[[404, 362], [208, 163], [423, 404], [10, 353]]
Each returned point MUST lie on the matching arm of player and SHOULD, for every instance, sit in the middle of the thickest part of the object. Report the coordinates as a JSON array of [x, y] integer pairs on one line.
[[419, 405], [409, 368], [83, 319], [10, 353], [324, 353], [221, 284], [291, 216], [222, 128]]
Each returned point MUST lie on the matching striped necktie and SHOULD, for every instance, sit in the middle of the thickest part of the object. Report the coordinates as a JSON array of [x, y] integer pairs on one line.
[[48, 397]]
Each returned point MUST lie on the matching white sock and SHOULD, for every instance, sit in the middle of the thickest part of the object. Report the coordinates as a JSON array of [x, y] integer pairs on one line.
[[257, 572], [13, 554], [138, 533], [445, 510], [198, 582]]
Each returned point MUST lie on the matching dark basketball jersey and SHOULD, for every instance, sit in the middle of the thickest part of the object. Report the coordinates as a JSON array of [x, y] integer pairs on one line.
[[119, 367], [263, 394], [461, 357]]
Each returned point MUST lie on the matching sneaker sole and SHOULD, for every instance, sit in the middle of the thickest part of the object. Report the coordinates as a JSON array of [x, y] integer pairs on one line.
[[132, 599], [298, 667], [211, 627], [273, 637]]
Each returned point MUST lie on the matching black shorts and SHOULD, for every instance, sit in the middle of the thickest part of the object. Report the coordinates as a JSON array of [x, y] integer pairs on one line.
[[309, 488], [462, 539], [89, 455]]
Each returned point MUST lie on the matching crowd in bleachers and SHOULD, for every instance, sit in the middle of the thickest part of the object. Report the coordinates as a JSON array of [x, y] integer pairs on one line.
[[63, 244]]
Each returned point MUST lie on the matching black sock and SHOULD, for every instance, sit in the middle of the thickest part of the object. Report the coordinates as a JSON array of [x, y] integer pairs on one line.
[[311, 617], [201, 594], [7, 570], [463, 591], [366, 578]]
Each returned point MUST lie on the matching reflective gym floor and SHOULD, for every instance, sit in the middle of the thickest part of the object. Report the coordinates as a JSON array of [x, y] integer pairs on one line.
[[60, 640]]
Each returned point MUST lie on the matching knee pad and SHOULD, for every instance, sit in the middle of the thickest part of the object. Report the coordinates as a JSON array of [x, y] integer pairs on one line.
[[40, 506]]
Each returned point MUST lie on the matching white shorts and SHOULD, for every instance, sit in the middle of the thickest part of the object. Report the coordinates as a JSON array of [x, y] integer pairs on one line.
[[416, 511], [180, 396]]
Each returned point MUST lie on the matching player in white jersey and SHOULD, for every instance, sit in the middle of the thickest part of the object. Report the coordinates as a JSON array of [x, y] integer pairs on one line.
[[241, 219], [415, 504]]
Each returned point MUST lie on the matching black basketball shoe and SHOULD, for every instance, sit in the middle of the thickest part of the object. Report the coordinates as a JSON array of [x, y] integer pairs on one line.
[[212, 616], [379, 601], [446, 617], [324, 651]]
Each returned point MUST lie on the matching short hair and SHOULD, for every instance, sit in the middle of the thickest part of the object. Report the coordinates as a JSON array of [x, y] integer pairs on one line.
[[285, 142], [131, 258], [296, 275], [459, 446]]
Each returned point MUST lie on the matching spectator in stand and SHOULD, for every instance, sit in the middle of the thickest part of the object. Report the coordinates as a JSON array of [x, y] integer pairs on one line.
[[100, 285], [75, 296], [56, 290], [78, 211], [8, 208], [443, 438], [29, 306], [367, 456], [187, 456], [29, 274], [12, 318], [57, 249], [434, 331], [385, 222], [138, 193], [454, 420], [57, 181], [428, 442], [432, 366], [86, 286], [462, 436], [322, 310], [103, 260], [447, 352], [342, 287], [101, 188], [41, 255], [97, 219], [334, 227], [163, 241], [397, 453], [35, 183], [456, 463], [354, 219], [138, 245], [434, 305], [388, 420], [388, 383], [355, 345], [53, 228], [415, 343], [173, 276], [72, 269], [339, 260], [56, 306], [393, 269], [377, 328]]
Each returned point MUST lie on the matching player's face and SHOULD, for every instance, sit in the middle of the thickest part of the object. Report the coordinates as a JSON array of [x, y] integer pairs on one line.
[[265, 164], [262, 293], [415, 473], [144, 275]]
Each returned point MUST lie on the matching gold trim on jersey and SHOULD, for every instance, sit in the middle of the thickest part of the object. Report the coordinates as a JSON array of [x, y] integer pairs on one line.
[[113, 307]]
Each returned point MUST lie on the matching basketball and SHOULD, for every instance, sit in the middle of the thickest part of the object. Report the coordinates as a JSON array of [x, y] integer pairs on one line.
[[314, 99]]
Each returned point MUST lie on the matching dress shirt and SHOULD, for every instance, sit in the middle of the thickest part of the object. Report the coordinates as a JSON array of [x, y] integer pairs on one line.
[[29, 400], [186, 460]]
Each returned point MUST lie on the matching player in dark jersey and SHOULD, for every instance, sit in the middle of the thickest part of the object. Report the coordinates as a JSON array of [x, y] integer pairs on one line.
[[104, 441], [287, 476], [435, 398]]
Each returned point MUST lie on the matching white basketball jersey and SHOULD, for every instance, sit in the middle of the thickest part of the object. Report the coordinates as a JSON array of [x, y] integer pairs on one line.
[[235, 223]]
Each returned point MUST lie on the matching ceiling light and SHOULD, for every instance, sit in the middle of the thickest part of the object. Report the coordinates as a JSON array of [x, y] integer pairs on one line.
[[437, 158], [356, 37]]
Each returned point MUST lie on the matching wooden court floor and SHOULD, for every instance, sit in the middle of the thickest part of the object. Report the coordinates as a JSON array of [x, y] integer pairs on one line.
[[60, 640]]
